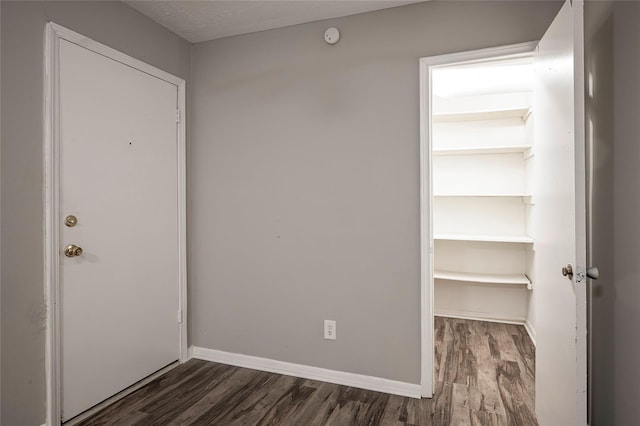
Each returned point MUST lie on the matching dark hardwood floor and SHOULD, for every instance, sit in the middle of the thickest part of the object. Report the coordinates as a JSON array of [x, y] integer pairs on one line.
[[484, 376]]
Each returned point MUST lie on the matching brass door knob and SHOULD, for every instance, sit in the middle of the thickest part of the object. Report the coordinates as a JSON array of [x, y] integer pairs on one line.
[[71, 221], [72, 250]]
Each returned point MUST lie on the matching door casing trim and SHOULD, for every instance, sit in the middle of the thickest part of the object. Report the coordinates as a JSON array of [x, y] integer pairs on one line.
[[51, 192], [426, 65]]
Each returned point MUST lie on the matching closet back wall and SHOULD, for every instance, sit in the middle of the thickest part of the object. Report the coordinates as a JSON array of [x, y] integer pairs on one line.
[[304, 182]]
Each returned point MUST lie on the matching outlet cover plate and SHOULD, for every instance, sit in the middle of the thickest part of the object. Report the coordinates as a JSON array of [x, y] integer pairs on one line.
[[330, 329]]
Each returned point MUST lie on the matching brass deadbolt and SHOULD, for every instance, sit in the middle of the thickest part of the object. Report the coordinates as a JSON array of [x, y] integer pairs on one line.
[[71, 221], [72, 250]]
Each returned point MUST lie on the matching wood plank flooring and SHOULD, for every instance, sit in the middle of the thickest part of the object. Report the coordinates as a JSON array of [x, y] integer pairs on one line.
[[484, 376]]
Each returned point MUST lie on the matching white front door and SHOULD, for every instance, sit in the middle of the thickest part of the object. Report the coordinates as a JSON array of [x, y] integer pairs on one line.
[[560, 221], [119, 178]]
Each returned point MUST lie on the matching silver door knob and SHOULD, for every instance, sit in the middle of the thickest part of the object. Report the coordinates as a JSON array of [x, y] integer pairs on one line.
[[593, 272], [567, 271]]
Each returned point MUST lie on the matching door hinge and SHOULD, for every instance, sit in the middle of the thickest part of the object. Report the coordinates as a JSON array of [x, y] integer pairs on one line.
[[180, 316], [177, 116]]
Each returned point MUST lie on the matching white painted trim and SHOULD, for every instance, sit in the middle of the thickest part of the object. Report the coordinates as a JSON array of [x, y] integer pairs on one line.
[[51, 227], [463, 315], [426, 193], [526, 323], [530, 331], [427, 344], [53, 34], [182, 220], [61, 32], [577, 8], [361, 381], [480, 55]]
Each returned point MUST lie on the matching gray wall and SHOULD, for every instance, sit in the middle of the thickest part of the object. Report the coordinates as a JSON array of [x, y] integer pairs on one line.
[[316, 145], [23, 311], [304, 181], [626, 312], [599, 112], [613, 59]]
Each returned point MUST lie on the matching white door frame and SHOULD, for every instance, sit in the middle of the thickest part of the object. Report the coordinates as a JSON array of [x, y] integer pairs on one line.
[[426, 193], [55, 33]]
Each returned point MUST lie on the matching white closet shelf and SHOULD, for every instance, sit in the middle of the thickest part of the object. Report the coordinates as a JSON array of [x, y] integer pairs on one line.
[[482, 195], [522, 113], [511, 279], [485, 238], [513, 149]]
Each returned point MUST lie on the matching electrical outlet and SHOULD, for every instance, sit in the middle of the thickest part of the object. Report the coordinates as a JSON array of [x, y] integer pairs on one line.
[[330, 329]]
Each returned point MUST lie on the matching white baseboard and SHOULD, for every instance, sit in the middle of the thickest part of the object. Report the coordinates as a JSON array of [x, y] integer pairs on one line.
[[530, 331], [526, 323], [361, 381], [478, 317]]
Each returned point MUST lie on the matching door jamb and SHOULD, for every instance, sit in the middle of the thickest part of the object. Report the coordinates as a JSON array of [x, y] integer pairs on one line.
[[51, 192], [426, 194]]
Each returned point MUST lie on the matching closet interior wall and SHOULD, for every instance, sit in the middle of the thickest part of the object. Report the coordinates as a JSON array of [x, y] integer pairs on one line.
[[483, 190]]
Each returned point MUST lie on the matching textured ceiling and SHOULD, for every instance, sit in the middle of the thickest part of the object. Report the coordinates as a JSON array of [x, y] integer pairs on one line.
[[199, 21]]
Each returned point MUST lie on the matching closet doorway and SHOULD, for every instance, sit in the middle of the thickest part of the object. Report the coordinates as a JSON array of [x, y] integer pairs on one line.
[[503, 203]]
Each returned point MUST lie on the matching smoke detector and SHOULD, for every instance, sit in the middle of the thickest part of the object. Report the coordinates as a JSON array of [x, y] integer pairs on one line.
[[332, 35]]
